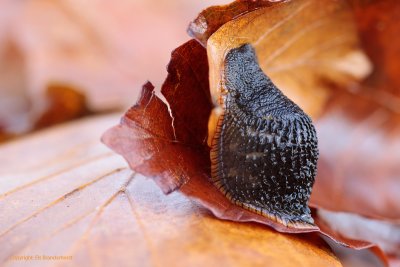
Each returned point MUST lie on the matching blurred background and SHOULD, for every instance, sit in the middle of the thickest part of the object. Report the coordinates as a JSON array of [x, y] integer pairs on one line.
[[61, 60], [104, 50]]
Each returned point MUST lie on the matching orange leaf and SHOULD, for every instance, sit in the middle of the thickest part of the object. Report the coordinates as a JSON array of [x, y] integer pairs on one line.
[[300, 45], [79, 202]]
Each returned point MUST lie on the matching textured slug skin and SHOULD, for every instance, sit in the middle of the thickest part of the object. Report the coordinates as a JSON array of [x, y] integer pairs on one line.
[[263, 146]]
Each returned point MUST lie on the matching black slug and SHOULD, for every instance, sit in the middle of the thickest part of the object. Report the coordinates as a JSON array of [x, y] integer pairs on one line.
[[263, 146]]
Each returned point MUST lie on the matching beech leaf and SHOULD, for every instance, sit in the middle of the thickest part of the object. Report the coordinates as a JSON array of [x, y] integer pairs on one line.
[[300, 45], [358, 119], [80, 201], [177, 160], [315, 53]]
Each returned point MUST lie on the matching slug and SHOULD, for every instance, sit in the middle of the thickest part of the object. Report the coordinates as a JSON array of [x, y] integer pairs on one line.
[[264, 148]]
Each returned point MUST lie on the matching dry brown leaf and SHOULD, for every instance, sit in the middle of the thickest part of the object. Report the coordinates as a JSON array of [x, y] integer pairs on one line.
[[300, 45], [385, 234], [323, 40], [351, 115], [147, 140], [65, 103], [78, 199], [168, 150], [357, 123], [210, 19], [360, 169]]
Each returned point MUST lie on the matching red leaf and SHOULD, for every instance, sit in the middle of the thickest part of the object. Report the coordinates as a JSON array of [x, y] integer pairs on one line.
[[146, 139]]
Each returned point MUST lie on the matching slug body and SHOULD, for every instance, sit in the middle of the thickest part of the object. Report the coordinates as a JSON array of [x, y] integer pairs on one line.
[[264, 147]]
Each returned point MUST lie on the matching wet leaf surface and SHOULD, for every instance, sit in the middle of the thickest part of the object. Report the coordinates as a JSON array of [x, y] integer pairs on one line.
[[79, 199]]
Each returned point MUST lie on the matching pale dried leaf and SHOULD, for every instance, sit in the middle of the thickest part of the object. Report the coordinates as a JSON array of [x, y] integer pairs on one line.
[[300, 45], [78, 199]]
